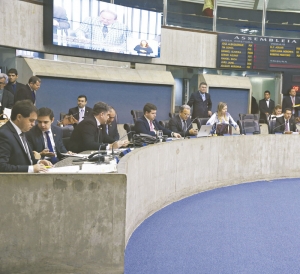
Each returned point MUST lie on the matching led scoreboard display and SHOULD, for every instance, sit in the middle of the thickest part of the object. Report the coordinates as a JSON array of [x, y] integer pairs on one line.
[[257, 52]]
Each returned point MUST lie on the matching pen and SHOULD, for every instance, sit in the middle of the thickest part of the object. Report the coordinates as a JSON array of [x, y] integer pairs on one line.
[[48, 166]]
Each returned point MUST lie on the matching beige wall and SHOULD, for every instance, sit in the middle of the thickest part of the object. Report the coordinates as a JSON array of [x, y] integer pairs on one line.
[[22, 27]]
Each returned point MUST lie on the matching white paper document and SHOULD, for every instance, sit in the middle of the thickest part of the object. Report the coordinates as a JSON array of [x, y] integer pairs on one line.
[[65, 169]]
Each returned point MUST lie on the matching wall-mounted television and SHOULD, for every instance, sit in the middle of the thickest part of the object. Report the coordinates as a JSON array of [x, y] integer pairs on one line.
[[101, 26]]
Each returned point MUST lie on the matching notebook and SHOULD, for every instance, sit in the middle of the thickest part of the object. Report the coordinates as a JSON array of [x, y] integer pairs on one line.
[[204, 131]]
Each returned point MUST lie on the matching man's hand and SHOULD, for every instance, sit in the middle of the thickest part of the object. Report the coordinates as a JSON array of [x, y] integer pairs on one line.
[[47, 153], [71, 153], [193, 131], [209, 113], [176, 135], [46, 163], [40, 168]]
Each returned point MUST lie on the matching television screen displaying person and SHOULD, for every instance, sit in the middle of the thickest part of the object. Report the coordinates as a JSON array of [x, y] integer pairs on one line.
[[143, 48]]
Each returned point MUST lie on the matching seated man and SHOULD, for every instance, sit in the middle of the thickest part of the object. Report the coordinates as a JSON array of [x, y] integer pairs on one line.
[[46, 138], [82, 110], [89, 135], [15, 152], [285, 124], [111, 125], [148, 125], [182, 122]]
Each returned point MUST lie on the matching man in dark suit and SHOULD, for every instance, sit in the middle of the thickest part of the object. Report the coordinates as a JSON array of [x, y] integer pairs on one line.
[[182, 122], [111, 125], [266, 106], [29, 91], [81, 111], [148, 125], [6, 97], [15, 153], [286, 123], [89, 135], [201, 102], [13, 86], [46, 138], [290, 101]]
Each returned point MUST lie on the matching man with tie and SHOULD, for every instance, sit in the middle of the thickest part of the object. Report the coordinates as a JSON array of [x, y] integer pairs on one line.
[[46, 138], [290, 101], [15, 152], [201, 102], [182, 122], [29, 91], [286, 123], [13, 86], [266, 107], [148, 125], [82, 110], [6, 97], [110, 127]]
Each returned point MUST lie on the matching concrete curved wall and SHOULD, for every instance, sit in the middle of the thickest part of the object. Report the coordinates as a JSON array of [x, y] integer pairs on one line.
[[158, 175]]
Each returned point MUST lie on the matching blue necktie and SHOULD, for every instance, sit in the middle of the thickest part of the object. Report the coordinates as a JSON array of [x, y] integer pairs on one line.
[[53, 159], [33, 96]]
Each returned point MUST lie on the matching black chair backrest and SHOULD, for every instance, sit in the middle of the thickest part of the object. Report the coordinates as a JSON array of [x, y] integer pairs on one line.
[[136, 114], [249, 126], [66, 141], [203, 121], [272, 124], [62, 115], [164, 123], [67, 131], [129, 128], [248, 116]]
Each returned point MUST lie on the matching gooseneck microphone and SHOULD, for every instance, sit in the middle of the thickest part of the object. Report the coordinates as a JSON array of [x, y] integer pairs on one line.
[[112, 145], [273, 131], [184, 132]]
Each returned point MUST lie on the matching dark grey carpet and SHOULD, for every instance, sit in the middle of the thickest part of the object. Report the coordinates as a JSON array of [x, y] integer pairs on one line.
[[248, 228]]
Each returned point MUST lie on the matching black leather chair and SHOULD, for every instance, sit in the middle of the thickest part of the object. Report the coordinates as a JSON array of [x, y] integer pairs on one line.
[[67, 131], [272, 124], [249, 123], [164, 123], [203, 121], [62, 115], [129, 128], [136, 114]]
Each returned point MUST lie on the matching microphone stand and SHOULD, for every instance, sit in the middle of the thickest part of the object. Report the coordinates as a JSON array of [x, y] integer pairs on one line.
[[273, 131], [112, 145], [184, 133]]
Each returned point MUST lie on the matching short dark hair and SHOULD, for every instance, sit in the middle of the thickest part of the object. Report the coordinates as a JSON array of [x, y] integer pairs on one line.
[[24, 107], [202, 84], [12, 70], [267, 92], [287, 109], [100, 107], [34, 79], [45, 112], [148, 107], [82, 96]]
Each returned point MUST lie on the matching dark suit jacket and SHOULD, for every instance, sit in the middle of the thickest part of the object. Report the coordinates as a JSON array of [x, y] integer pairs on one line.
[[287, 103], [75, 112], [200, 107], [87, 136], [142, 126], [13, 157], [175, 125], [7, 100], [280, 125], [112, 131], [263, 108], [18, 87], [24, 93], [36, 140]]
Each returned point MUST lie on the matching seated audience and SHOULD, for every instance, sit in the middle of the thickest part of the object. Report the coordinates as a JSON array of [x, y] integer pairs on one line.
[[28, 92], [182, 122], [46, 138], [148, 125], [6, 97], [266, 106], [111, 125], [290, 101], [285, 124], [221, 117], [277, 112], [82, 110], [15, 152], [89, 134], [13, 86]]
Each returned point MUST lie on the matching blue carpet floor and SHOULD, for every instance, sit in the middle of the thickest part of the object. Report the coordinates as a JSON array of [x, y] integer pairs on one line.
[[248, 228]]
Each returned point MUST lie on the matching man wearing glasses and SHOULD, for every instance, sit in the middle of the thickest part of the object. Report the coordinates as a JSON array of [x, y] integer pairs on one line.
[[6, 97]]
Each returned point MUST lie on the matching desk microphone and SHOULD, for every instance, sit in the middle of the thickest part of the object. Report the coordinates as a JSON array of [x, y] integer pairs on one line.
[[184, 133], [277, 127], [112, 145]]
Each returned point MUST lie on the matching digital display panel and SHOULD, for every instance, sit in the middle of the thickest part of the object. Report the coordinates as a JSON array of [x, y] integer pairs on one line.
[[257, 52], [101, 26]]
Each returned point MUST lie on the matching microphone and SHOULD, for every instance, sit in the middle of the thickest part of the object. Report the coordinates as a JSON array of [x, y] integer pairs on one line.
[[184, 133], [112, 145], [273, 131]]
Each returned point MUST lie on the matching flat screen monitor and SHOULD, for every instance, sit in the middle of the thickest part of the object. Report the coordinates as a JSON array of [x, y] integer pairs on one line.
[[101, 26]]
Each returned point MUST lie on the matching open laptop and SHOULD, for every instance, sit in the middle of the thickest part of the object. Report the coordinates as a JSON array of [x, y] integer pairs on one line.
[[204, 131]]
